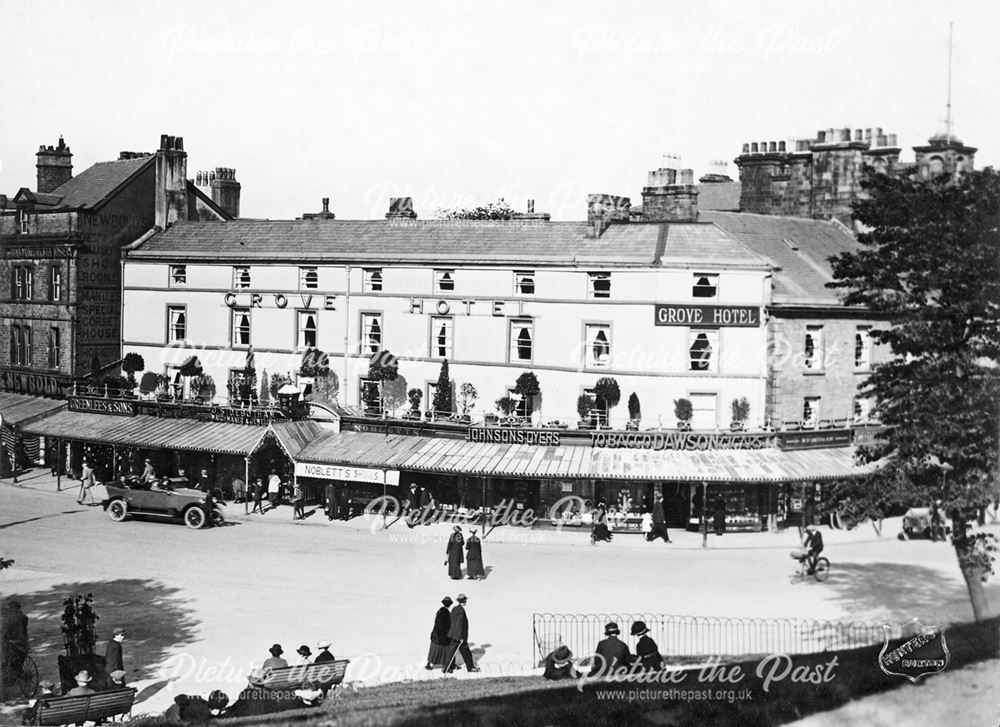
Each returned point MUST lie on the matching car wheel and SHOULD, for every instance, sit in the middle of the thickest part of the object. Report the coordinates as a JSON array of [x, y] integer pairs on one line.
[[118, 510], [194, 517]]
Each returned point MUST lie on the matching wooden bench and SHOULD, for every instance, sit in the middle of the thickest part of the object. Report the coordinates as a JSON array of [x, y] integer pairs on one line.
[[324, 675], [55, 711]]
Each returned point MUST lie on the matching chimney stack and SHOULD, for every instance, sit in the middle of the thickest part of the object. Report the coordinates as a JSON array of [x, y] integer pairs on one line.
[[401, 208], [171, 181], [54, 166], [326, 214], [603, 209], [226, 190], [666, 200]]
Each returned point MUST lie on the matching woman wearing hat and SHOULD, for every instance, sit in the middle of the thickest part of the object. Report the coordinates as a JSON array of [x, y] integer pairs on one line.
[[439, 651], [305, 656], [647, 653], [275, 661], [454, 554], [559, 664], [474, 561]]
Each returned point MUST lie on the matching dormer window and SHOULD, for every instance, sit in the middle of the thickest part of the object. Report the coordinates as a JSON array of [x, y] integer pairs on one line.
[[241, 277], [444, 281], [706, 285], [524, 282], [599, 285], [308, 278], [372, 280]]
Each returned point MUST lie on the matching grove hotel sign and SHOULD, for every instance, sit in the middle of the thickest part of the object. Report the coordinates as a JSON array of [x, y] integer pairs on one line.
[[729, 316]]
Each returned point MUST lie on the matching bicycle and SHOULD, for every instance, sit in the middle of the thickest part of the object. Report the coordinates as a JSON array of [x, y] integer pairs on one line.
[[23, 677], [821, 572]]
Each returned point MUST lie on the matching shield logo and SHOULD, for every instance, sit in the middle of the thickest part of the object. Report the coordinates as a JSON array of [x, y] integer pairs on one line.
[[918, 652]]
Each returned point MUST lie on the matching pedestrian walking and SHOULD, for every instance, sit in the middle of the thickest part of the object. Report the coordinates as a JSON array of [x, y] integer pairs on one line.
[[719, 514], [274, 489], [86, 483], [647, 653], [114, 659], [258, 496], [454, 554], [330, 501], [611, 652], [426, 505], [437, 654], [458, 634], [659, 520], [474, 559], [298, 502], [600, 532]]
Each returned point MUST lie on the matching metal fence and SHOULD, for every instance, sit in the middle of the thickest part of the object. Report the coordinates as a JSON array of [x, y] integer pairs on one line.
[[689, 638]]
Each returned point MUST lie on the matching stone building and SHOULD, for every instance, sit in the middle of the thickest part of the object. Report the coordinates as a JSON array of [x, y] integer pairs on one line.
[[820, 178], [60, 258]]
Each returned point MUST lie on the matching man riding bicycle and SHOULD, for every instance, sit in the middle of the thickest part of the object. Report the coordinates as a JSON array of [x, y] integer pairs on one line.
[[813, 544]]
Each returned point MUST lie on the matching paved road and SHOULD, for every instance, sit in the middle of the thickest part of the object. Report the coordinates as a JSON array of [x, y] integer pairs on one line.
[[201, 607]]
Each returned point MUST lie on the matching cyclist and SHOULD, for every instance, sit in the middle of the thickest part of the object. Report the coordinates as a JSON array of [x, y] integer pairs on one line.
[[813, 543]]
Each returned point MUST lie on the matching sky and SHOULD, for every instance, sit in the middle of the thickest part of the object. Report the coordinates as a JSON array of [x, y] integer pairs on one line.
[[458, 104]]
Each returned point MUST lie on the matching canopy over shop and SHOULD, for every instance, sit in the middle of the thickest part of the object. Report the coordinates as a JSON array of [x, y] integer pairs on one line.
[[16, 411]]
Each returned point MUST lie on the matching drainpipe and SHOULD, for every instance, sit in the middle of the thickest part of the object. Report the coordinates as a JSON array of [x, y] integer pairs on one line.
[[347, 328]]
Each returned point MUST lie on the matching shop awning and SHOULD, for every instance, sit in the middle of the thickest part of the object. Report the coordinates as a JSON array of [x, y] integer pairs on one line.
[[18, 409], [457, 456], [294, 436], [151, 432]]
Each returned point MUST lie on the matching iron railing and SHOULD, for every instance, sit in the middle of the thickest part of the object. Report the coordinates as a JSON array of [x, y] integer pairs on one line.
[[690, 638]]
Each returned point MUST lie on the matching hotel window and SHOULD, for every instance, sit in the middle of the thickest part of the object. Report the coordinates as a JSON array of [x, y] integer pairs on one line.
[[704, 411], [442, 337], [369, 394], [178, 275], [22, 282], [54, 348], [307, 329], [177, 323], [241, 326], [371, 281], [810, 411], [522, 340], [20, 345], [524, 282], [308, 278], [705, 286], [598, 346], [862, 348], [703, 350], [241, 277], [598, 285], [22, 217], [813, 350], [371, 333], [55, 282], [444, 281]]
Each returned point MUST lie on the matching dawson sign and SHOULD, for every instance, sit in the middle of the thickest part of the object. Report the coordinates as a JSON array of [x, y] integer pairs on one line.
[[680, 440], [728, 316]]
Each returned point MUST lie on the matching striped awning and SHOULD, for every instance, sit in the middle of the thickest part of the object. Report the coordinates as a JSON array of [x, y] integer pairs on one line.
[[151, 432], [458, 456], [294, 436], [19, 409]]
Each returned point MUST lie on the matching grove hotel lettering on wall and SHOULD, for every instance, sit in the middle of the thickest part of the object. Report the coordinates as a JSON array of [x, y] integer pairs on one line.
[[416, 305], [732, 316]]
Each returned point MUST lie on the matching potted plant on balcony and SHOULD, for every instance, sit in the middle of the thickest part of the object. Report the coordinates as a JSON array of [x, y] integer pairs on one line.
[[634, 412], [414, 396], [506, 404], [131, 364], [608, 395], [741, 411], [527, 388], [441, 404], [394, 395], [684, 412], [584, 404], [467, 397], [382, 367]]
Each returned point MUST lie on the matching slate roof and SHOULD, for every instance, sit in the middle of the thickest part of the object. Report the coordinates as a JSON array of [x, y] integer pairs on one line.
[[508, 242], [95, 184], [799, 248]]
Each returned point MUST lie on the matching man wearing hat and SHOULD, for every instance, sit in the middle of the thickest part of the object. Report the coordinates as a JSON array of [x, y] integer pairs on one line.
[[813, 544], [305, 654], [324, 654], [113, 658], [559, 664], [275, 661], [30, 715], [611, 652], [117, 679], [647, 653], [474, 561], [86, 483], [454, 554], [458, 633], [82, 685]]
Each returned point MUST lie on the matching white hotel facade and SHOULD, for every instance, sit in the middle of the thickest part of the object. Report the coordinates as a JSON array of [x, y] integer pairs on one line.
[[668, 309]]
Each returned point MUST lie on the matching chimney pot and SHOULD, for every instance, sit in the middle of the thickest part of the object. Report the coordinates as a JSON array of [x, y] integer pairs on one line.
[[858, 135], [746, 148], [753, 147], [892, 140], [687, 176], [781, 146], [821, 136], [326, 205], [531, 206]]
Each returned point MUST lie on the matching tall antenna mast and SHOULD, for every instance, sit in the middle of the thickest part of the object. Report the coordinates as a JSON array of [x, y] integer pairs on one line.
[[948, 118]]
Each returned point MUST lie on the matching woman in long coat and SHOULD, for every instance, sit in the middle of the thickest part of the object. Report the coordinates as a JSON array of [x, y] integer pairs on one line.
[[437, 655], [601, 531], [454, 553], [475, 557]]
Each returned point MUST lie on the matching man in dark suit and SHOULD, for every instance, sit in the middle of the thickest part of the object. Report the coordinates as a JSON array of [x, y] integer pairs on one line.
[[659, 520], [113, 659], [459, 635], [612, 653], [324, 654], [330, 500]]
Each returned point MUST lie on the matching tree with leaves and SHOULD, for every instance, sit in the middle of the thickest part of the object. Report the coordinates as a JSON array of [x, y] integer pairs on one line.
[[382, 367], [131, 364], [634, 410], [442, 392], [498, 210], [467, 397], [394, 394], [930, 263], [608, 395], [527, 388]]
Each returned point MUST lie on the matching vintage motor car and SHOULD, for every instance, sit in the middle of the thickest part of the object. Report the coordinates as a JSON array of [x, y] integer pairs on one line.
[[917, 524], [194, 507]]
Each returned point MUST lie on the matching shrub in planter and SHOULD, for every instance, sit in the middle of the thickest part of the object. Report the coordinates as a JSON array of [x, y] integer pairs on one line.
[[467, 397], [507, 405], [740, 409], [608, 395], [634, 411], [415, 396], [527, 388], [684, 412]]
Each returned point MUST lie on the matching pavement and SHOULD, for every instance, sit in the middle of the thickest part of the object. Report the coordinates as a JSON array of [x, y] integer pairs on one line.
[[202, 607]]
